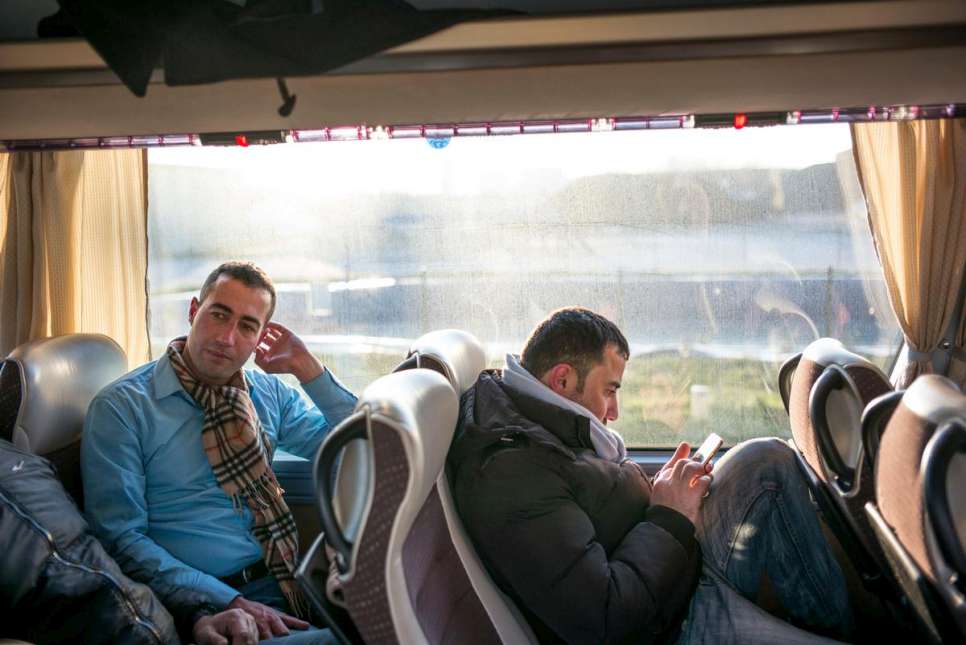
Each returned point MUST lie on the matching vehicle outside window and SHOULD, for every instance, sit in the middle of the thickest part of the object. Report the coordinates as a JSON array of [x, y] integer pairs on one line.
[[719, 253]]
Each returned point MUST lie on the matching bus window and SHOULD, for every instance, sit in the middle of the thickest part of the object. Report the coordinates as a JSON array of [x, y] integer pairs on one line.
[[719, 253]]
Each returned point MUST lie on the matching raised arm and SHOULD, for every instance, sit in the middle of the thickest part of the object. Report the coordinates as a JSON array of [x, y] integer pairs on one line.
[[280, 351], [303, 426]]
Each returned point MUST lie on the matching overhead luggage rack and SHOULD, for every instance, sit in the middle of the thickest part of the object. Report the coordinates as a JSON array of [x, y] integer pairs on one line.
[[501, 128]]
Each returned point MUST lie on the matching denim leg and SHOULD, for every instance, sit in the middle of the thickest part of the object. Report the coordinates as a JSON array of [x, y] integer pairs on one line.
[[310, 636], [266, 591], [720, 615], [759, 518]]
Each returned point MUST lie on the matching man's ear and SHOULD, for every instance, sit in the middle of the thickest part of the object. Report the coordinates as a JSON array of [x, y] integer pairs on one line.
[[193, 310], [561, 378]]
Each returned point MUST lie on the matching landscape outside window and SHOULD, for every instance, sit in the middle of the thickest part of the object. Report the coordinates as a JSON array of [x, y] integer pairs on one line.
[[719, 253]]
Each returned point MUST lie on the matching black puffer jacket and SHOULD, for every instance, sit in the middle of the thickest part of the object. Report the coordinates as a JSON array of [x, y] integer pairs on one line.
[[57, 583], [569, 536]]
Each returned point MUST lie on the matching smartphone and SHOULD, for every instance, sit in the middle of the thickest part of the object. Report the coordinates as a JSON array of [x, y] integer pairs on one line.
[[708, 449]]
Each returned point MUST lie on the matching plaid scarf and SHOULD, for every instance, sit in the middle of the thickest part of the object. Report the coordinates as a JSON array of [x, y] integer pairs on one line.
[[240, 456]]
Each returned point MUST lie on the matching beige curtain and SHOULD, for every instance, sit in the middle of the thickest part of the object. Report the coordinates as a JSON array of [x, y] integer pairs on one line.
[[73, 245], [913, 174]]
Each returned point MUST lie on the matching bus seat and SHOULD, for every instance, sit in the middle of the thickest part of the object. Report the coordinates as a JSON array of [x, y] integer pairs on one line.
[[920, 511], [460, 357], [830, 388], [400, 432], [47, 386], [401, 578], [456, 354]]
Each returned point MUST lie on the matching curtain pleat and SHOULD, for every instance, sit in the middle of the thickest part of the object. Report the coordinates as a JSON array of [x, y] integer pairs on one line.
[[74, 247], [913, 175]]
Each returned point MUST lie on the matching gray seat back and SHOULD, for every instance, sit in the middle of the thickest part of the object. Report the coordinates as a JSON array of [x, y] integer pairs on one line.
[[460, 357], [48, 385], [386, 524]]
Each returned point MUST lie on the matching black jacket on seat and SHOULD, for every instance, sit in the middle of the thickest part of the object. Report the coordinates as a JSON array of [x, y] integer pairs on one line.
[[57, 583], [570, 537]]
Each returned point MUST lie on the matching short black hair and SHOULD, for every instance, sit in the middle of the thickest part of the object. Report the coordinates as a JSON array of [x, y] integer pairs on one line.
[[246, 273], [572, 335]]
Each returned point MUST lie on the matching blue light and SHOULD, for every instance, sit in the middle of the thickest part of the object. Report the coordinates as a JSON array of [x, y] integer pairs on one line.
[[438, 142]]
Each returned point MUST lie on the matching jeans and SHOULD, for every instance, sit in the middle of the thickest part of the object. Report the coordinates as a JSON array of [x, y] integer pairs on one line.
[[759, 520], [266, 591]]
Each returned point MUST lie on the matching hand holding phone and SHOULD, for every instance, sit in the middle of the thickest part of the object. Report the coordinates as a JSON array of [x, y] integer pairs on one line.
[[683, 482], [708, 449]]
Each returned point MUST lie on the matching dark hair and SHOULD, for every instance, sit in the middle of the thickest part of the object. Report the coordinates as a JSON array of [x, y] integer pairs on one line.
[[246, 273], [575, 336]]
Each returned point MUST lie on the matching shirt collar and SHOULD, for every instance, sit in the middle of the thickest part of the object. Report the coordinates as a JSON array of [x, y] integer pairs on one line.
[[166, 382]]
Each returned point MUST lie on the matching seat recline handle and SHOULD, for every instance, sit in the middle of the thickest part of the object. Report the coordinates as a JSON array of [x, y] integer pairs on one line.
[[785, 375], [948, 441], [833, 378], [874, 419]]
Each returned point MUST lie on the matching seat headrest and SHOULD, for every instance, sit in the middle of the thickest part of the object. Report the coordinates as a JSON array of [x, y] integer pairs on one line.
[[59, 376], [934, 398], [828, 351], [421, 405], [459, 353]]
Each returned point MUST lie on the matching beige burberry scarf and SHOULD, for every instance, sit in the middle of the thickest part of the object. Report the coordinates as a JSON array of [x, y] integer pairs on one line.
[[240, 456]]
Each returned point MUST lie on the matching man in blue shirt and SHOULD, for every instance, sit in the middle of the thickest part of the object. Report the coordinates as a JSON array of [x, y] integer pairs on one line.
[[176, 454]]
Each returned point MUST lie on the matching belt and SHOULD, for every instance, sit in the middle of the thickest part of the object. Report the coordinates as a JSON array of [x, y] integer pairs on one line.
[[248, 574]]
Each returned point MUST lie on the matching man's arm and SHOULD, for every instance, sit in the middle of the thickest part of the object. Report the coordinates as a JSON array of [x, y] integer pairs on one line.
[[187, 606], [535, 537], [115, 504], [301, 427]]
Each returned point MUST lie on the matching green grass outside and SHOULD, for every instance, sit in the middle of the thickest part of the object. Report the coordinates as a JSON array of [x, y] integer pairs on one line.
[[656, 396], [656, 406]]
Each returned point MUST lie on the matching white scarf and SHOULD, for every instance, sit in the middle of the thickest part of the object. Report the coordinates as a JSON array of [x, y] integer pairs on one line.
[[607, 444]]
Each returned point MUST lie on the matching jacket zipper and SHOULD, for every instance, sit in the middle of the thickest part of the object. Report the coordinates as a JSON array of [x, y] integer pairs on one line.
[[55, 553]]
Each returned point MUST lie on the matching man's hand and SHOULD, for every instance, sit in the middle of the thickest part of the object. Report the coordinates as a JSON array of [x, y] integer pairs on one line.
[[280, 351], [682, 452], [269, 621], [230, 627], [681, 484]]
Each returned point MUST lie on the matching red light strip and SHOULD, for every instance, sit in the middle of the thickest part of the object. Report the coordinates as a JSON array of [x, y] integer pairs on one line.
[[503, 128]]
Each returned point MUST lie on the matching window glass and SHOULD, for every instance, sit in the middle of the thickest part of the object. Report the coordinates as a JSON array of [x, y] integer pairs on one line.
[[719, 253]]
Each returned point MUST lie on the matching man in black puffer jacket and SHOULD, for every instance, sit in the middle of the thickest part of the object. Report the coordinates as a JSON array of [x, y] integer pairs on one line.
[[59, 585], [591, 549]]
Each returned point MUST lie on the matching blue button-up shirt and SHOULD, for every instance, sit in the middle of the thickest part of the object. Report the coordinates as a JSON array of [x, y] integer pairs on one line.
[[149, 490]]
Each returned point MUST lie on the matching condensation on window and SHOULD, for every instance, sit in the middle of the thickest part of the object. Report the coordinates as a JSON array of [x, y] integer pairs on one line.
[[720, 253]]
